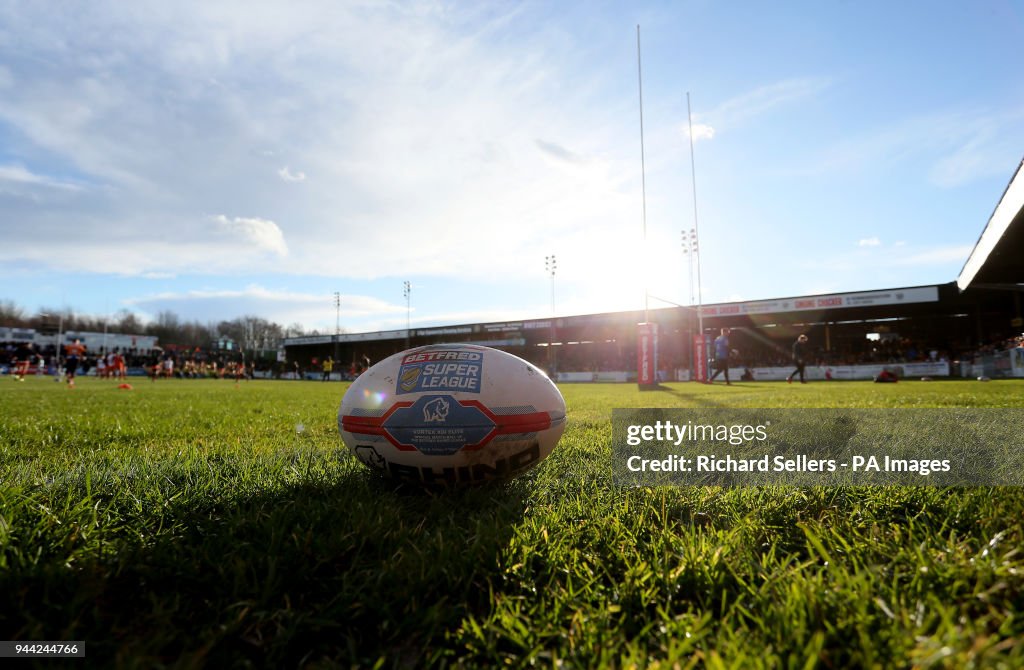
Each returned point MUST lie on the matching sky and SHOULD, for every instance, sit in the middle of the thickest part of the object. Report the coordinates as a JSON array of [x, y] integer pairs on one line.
[[236, 158]]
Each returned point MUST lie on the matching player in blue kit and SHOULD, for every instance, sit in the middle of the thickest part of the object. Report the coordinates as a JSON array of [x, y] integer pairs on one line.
[[722, 352]]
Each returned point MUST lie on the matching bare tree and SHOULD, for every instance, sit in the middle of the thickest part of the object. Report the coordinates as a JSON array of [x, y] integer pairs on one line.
[[251, 333], [12, 315], [126, 322], [166, 328], [50, 320], [195, 334]]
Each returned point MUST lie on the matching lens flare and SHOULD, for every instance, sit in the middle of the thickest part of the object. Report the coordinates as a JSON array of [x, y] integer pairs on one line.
[[376, 399]]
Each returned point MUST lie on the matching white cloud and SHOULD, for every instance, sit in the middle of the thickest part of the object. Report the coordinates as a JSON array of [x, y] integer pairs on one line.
[[980, 151], [261, 233], [937, 256], [701, 131], [740, 109], [558, 152], [286, 174], [21, 175], [314, 310], [424, 155], [869, 242], [821, 288], [764, 98], [952, 147], [892, 265]]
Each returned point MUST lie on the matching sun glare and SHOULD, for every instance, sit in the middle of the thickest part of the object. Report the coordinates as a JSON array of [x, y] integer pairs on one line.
[[377, 399]]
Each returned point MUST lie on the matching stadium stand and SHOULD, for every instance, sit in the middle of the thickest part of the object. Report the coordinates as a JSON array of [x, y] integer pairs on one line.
[[967, 327]]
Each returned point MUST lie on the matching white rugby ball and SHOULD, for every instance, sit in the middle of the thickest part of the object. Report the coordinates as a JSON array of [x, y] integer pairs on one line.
[[452, 414]]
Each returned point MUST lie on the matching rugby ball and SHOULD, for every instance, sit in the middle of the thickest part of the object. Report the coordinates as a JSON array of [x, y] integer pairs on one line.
[[452, 414]]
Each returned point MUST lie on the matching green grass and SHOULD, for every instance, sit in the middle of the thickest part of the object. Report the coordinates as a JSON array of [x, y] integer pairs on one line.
[[200, 523]]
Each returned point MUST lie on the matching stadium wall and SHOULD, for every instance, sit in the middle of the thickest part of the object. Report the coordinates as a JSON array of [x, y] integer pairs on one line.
[[814, 373], [94, 342], [997, 365]]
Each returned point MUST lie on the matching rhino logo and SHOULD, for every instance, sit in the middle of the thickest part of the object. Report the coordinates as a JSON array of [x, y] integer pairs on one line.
[[436, 410]]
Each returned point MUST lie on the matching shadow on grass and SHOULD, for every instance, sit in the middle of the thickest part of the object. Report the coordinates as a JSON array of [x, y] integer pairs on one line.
[[345, 572], [694, 399]]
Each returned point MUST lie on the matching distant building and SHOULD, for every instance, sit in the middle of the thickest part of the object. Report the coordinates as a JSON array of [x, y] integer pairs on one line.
[[225, 343]]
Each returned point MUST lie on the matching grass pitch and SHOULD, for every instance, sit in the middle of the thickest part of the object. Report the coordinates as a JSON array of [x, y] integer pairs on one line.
[[200, 523]]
